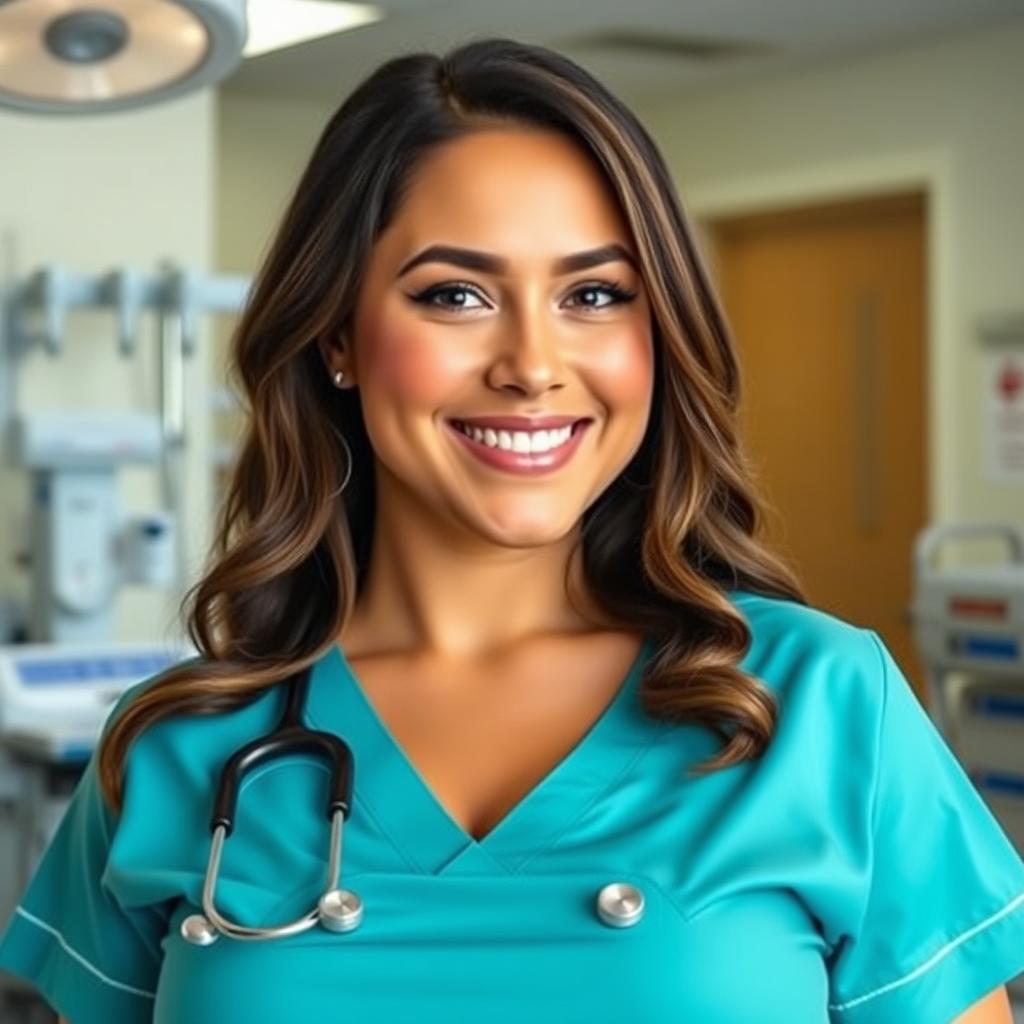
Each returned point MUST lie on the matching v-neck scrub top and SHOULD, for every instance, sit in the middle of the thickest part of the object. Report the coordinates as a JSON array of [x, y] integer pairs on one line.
[[851, 874]]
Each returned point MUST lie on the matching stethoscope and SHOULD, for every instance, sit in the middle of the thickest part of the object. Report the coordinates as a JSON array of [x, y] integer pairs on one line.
[[618, 904], [337, 910]]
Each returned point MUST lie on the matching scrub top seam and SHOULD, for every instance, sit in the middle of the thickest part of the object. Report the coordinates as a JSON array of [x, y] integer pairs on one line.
[[601, 792], [879, 744], [357, 799], [75, 955], [937, 956], [259, 773], [272, 910], [368, 811]]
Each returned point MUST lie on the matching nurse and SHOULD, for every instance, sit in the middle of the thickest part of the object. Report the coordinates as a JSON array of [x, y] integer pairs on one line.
[[609, 763]]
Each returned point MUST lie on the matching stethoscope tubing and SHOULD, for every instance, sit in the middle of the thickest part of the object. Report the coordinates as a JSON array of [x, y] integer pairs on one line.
[[300, 924], [618, 904], [337, 909]]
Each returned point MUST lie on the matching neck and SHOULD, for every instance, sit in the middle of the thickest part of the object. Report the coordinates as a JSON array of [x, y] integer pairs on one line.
[[438, 591]]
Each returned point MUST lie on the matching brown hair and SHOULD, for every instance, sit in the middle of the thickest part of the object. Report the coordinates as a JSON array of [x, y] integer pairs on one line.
[[660, 546]]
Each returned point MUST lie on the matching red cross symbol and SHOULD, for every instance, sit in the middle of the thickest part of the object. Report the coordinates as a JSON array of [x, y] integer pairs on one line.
[[1010, 381]]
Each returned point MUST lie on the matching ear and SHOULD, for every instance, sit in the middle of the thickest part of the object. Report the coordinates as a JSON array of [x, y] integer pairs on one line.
[[335, 356]]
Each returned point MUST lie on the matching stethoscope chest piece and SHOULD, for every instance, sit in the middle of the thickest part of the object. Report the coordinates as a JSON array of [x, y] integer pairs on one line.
[[340, 910], [620, 904], [197, 930]]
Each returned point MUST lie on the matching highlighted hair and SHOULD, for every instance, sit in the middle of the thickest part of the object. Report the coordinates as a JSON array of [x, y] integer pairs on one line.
[[660, 546]]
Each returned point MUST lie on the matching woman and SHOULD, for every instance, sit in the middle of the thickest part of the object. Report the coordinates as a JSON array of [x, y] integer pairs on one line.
[[609, 764]]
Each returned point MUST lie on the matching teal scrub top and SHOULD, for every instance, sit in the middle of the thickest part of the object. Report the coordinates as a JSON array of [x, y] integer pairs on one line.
[[852, 873]]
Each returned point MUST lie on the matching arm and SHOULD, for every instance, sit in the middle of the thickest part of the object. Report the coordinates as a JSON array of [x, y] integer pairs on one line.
[[993, 1009]]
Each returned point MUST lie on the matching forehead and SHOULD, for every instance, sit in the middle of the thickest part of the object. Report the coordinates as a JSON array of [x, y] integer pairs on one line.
[[524, 193]]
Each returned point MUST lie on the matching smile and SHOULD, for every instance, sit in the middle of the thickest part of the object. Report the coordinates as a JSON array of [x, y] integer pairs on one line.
[[521, 451]]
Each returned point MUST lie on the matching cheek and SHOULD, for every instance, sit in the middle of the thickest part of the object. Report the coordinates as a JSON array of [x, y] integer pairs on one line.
[[411, 365], [622, 368]]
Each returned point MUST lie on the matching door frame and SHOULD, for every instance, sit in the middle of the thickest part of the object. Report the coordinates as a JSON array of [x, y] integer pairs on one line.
[[927, 170]]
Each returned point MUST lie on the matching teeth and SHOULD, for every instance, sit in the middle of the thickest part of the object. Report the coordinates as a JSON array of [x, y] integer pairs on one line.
[[523, 441]]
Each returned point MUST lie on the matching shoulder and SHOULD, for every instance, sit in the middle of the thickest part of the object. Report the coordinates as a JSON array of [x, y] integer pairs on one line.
[[173, 723], [170, 773], [176, 750], [815, 662], [136, 690], [774, 620]]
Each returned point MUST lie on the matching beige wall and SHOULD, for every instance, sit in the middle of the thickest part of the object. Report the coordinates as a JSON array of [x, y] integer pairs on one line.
[[263, 145], [945, 115], [91, 194]]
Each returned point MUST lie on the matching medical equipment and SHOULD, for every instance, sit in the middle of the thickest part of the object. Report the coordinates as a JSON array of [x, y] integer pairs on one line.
[[969, 628], [53, 702], [70, 56], [969, 618], [78, 534], [338, 910], [62, 668], [82, 547]]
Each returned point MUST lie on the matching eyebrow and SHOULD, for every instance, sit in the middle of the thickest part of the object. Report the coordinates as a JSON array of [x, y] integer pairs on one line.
[[488, 263]]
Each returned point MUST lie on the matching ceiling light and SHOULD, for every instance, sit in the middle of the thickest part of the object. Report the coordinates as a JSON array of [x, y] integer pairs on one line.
[[94, 56], [275, 24]]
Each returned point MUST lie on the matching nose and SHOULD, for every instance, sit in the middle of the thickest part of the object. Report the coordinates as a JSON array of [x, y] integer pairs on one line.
[[530, 358]]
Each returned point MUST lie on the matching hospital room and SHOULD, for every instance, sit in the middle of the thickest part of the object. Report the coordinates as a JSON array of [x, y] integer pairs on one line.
[[656, 661]]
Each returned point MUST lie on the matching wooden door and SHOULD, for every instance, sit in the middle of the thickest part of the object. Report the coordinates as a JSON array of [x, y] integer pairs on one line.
[[827, 308]]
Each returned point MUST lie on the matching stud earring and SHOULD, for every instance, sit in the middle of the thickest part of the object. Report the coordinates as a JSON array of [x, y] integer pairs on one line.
[[338, 377]]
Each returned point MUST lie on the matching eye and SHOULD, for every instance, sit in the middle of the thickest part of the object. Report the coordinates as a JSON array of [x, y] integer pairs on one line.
[[456, 288], [617, 293]]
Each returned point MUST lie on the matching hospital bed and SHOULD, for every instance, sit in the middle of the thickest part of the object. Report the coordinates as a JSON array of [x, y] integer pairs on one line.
[[968, 624]]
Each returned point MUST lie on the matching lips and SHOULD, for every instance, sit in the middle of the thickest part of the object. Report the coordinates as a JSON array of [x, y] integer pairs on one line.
[[522, 463]]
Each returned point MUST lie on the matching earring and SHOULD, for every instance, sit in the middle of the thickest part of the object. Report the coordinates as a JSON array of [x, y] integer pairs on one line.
[[348, 467], [338, 377]]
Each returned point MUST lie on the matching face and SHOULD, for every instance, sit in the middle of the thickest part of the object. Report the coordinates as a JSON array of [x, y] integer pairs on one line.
[[509, 332]]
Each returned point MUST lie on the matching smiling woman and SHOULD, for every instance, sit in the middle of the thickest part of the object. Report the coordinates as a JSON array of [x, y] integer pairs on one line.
[[493, 508]]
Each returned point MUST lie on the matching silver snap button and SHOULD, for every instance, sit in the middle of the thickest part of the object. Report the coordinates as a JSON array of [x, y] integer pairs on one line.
[[620, 904]]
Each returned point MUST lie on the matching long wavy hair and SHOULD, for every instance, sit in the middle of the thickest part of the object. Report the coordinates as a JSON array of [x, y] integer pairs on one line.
[[677, 528]]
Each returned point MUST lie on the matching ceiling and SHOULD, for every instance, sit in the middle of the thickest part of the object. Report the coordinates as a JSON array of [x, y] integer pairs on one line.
[[639, 48]]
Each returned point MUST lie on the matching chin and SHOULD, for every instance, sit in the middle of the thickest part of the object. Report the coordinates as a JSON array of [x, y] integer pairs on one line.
[[532, 533]]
